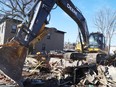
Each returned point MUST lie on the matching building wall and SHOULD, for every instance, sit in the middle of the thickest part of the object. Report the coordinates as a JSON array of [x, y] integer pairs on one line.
[[6, 28], [54, 40], [9, 27]]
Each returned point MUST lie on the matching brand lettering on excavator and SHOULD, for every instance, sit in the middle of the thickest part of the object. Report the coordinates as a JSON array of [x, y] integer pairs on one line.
[[68, 6]]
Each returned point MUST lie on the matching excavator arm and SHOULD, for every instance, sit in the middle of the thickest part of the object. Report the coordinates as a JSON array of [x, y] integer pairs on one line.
[[13, 54], [42, 10], [77, 16]]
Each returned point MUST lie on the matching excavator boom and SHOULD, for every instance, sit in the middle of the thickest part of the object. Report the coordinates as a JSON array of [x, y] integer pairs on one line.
[[13, 54]]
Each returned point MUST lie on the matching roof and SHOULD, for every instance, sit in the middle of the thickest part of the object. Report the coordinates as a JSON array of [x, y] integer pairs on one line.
[[56, 30], [96, 33], [6, 18], [16, 20], [60, 31]]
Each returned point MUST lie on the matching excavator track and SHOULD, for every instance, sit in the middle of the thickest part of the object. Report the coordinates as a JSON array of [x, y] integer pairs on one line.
[[91, 58], [98, 58]]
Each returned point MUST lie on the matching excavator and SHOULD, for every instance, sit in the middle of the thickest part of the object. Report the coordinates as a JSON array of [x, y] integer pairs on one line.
[[96, 43], [13, 53]]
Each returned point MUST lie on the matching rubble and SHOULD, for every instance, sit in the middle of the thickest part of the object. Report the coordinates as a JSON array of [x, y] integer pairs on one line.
[[5, 81], [59, 72]]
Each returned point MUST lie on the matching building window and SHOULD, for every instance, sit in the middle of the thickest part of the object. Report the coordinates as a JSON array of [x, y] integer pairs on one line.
[[43, 47], [48, 36], [13, 29]]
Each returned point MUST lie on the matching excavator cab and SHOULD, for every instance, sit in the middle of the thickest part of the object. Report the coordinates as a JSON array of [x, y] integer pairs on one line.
[[96, 42]]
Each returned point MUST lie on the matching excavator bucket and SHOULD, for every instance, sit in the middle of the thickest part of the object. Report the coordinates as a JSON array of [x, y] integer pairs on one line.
[[12, 57]]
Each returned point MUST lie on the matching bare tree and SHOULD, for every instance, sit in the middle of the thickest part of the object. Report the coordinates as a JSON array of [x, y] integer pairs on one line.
[[15, 8], [105, 21]]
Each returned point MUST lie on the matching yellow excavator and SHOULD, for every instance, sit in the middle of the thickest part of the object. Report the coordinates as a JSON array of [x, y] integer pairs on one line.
[[13, 53], [96, 43]]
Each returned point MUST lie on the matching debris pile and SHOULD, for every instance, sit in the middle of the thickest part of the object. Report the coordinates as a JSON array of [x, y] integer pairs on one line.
[[5, 81], [56, 71]]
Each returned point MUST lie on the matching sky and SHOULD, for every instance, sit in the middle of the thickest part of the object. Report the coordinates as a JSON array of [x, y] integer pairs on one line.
[[89, 8]]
